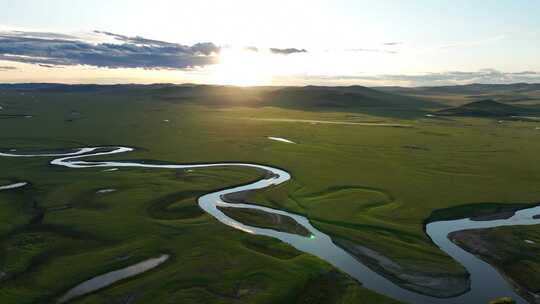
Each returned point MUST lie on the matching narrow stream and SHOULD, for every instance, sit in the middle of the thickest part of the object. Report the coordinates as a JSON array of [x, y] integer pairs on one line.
[[110, 278], [13, 186], [486, 283]]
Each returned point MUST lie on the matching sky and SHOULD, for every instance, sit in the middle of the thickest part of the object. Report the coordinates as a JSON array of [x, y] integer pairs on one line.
[[259, 42]]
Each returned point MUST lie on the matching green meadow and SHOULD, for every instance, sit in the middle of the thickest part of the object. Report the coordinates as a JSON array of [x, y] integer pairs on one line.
[[373, 179]]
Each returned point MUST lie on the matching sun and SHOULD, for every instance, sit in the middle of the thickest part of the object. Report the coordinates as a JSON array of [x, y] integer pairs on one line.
[[242, 67]]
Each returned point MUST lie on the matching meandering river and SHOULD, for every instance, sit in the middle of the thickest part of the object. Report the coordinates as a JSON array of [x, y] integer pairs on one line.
[[486, 282]]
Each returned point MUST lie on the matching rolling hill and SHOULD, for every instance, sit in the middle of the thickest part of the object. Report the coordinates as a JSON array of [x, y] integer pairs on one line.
[[517, 93], [486, 108]]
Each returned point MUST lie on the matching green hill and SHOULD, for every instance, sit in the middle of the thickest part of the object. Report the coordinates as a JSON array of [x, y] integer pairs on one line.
[[485, 108], [340, 97], [518, 93]]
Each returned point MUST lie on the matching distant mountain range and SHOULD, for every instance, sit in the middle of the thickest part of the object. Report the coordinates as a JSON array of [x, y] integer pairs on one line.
[[340, 97], [488, 100], [486, 108], [522, 93], [457, 89], [475, 88], [59, 87], [302, 98]]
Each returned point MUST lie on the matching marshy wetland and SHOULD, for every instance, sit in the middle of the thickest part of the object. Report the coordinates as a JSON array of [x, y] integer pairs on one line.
[[366, 212]]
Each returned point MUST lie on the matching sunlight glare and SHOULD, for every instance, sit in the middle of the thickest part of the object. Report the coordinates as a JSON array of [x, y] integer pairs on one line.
[[242, 67]]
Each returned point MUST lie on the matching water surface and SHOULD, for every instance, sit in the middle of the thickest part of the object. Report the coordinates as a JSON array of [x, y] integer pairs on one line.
[[13, 186], [112, 277]]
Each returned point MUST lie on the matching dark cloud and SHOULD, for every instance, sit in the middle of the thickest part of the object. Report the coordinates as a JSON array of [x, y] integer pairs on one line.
[[129, 52], [7, 68], [50, 66], [136, 40], [287, 51], [251, 48]]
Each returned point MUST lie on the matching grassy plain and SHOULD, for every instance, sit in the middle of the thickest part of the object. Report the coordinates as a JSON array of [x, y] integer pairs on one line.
[[372, 185], [513, 250]]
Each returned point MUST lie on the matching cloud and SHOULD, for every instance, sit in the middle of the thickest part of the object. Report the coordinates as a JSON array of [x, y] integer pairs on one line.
[[459, 77], [7, 68], [486, 76], [288, 51], [124, 52], [392, 43], [251, 49], [44, 35], [50, 66], [137, 40], [363, 50]]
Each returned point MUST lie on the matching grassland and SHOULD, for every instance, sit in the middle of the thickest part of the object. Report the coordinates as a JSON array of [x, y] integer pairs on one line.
[[258, 218], [514, 251], [372, 185]]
